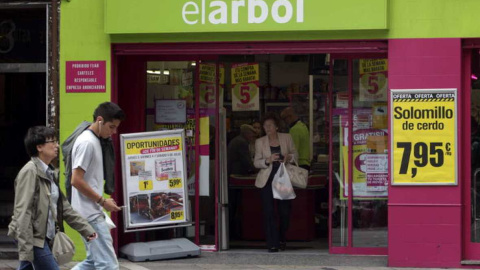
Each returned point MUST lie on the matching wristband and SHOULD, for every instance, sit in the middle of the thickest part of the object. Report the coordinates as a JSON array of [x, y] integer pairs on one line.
[[102, 203], [99, 200]]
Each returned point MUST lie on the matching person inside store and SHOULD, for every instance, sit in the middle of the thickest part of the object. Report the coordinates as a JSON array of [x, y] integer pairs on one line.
[[258, 128], [87, 182], [239, 162], [300, 135], [270, 151], [39, 203]]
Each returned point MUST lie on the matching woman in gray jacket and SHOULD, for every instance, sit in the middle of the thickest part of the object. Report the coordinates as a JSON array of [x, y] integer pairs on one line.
[[33, 223]]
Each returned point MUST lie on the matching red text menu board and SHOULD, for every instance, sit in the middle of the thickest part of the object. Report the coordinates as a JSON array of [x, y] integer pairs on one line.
[[85, 76]]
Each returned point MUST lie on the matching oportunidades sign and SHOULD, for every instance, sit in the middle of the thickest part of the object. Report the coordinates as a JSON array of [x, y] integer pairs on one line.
[[154, 179], [424, 138]]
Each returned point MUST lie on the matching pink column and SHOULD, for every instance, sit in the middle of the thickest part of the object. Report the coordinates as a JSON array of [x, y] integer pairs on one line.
[[425, 222]]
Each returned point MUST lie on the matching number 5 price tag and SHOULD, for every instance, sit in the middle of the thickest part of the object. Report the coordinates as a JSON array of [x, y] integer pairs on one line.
[[424, 133]]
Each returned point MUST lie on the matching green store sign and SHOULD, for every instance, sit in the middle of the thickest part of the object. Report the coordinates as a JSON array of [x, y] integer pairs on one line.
[[180, 16]]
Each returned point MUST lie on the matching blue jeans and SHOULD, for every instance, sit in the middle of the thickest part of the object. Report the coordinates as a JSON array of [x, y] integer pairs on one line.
[[100, 252], [42, 259]]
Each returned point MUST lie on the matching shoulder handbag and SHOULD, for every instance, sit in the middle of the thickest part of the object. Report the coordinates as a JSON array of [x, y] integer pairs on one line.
[[63, 248], [298, 175]]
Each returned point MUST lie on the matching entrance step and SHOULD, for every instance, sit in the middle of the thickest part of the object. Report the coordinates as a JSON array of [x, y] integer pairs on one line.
[[471, 262], [8, 248]]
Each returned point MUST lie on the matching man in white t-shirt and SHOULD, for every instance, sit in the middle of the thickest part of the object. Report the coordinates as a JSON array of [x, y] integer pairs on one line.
[[87, 182]]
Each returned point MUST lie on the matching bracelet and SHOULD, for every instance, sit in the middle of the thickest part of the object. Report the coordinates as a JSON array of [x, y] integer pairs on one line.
[[102, 203], [99, 200]]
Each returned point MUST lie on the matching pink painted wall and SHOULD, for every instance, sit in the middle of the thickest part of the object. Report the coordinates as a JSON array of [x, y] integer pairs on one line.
[[424, 221]]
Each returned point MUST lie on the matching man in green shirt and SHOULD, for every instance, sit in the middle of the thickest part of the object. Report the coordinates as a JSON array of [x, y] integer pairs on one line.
[[300, 136]]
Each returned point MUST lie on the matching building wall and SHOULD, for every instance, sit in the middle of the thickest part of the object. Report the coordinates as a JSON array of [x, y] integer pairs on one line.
[[81, 38], [425, 221]]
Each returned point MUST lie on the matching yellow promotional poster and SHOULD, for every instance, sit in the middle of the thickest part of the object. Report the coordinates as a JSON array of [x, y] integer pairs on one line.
[[154, 178], [207, 78], [373, 79], [150, 146], [424, 137], [245, 87]]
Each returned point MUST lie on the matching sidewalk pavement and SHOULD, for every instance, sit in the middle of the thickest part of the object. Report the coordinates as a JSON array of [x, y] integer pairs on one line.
[[252, 259]]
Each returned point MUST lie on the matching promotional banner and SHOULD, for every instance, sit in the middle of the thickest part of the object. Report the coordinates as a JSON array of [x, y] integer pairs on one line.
[[154, 178], [370, 158], [245, 87], [207, 78], [373, 79], [204, 153], [424, 137]]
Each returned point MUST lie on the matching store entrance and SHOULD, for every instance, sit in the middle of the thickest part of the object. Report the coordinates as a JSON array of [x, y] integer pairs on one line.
[[295, 89], [23, 92], [325, 91]]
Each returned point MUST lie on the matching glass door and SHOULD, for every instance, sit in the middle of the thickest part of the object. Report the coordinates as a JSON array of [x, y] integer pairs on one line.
[[359, 154], [208, 101], [196, 82], [472, 169]]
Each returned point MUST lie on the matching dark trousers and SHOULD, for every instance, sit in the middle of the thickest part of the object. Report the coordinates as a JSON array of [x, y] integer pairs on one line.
[[234, 216], [275, 231]]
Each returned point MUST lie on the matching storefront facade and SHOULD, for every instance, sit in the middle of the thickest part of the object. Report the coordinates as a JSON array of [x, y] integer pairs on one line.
[[428, 45], [27, 90]]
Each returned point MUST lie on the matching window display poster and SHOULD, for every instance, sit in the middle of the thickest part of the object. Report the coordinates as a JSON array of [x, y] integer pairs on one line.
[[373, 79], [154, 178], [245, 87], [424, 136], [370, 157], [207, 79], [170, 111]]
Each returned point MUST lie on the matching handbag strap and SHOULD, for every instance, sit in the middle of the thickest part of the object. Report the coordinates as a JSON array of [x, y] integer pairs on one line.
[[56, 214], [294, 160]]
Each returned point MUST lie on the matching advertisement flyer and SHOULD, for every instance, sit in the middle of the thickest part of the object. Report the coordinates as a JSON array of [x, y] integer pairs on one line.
[[245, 87], [373, 79], [154, 178], [189, 126], [207, 79], [424, 137], [370, 158]]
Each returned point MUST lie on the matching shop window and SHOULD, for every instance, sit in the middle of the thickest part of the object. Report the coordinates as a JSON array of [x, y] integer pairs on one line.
[[475, 145]]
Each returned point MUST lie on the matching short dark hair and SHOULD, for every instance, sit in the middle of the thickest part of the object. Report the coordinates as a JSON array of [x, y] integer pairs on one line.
[[109, 111], [35, 136], [271, 116]]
